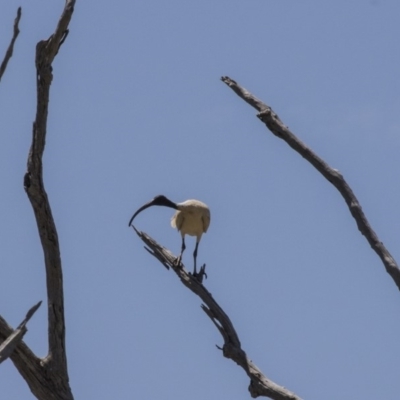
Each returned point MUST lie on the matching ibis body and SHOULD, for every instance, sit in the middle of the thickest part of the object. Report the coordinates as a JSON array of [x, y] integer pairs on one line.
[[191, 218]]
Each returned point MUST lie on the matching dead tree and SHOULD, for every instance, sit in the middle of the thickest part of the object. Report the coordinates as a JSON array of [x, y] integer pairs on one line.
[[46, 377], [260, 385]]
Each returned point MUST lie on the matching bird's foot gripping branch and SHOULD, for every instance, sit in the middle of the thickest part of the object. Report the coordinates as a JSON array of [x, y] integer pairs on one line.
[[201, 274], [169, 260], [197, 275]]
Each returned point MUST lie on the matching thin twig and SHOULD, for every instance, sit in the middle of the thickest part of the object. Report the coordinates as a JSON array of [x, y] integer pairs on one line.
[[276, 126], [10, 49], [260, 385]]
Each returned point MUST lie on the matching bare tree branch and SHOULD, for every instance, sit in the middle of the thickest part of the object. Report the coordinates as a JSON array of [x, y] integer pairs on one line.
[[8, 346], [44, 384], [46, 50], [10, 49], [260, 385], [276, 126], [47, 377], [23, 358]]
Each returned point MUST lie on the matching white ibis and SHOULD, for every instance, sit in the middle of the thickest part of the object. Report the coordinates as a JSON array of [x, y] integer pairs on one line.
[[192, 218]]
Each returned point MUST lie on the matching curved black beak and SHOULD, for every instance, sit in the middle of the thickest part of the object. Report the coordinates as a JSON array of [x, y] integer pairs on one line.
[[159, 200], [147, 205]]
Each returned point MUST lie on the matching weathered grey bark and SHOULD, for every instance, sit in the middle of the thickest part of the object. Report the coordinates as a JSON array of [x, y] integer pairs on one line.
[[260, 385], [8, 346], [10, 49], [276, 126], [47, 377]]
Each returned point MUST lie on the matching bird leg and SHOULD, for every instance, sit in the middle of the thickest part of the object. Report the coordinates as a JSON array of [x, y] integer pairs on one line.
[[179, 259], [199, 276], [195, 257]]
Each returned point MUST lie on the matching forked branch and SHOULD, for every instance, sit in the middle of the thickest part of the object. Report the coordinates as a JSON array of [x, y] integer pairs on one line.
[[46, 377], [260, 385], [46, 50], [276, 126], [8, 345]]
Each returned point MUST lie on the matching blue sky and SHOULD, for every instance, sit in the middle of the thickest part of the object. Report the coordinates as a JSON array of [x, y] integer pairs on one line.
[[137, 109]]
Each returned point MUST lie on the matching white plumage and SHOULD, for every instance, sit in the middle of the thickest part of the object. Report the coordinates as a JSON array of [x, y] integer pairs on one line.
[[192, 218]]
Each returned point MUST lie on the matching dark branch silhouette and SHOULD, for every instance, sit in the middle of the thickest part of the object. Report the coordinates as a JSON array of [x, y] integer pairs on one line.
[[276, 126], [10, 49], [47, 377], [260, 385]]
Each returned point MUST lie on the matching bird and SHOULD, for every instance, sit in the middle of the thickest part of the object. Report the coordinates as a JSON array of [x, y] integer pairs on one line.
[[191, 218]]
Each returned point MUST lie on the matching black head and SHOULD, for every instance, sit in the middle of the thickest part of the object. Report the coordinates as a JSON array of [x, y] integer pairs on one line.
[[159, 200]]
